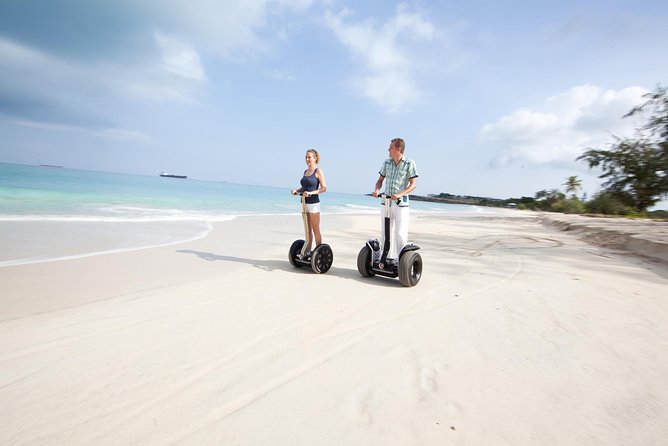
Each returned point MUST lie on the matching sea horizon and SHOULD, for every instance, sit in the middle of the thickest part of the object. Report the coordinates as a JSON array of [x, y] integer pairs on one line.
[[51, 213], [48, 193]]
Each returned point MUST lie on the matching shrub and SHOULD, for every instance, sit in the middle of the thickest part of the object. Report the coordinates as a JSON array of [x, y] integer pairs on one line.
[[606, 203], [659, 214], [569, 206]]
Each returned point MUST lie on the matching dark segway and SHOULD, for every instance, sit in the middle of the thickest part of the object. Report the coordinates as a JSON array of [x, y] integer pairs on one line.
[[320, 260], [371, 260]]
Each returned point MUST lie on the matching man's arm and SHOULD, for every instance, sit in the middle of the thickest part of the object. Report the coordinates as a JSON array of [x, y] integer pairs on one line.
[[379, 184]]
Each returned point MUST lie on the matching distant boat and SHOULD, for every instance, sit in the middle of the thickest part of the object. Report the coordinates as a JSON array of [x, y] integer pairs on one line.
[[170, 175], [50, 165]]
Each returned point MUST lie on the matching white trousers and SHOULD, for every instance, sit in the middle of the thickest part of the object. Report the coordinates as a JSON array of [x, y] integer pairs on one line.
[[399, 216]]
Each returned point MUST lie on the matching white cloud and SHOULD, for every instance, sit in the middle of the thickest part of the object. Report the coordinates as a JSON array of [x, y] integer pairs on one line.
[[24, 68], [111, 133], [41, 85], [125, 134], [281, 75], [563, 127], [389, 54], [231, 29], [180, 58]]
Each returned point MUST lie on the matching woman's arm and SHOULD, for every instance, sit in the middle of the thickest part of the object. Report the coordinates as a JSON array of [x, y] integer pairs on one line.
[[320, 175]]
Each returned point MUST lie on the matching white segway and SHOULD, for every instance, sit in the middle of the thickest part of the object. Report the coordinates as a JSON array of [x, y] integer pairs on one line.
[[372, 261], [320, 260]]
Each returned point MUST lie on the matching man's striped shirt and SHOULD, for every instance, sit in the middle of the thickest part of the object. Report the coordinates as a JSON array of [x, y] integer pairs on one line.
[[396, 177]]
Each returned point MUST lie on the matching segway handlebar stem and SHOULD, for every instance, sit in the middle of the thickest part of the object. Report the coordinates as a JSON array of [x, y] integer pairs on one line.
[[388, 197]]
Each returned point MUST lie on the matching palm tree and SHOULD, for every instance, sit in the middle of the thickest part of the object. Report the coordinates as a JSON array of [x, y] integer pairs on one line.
[[573, 184]]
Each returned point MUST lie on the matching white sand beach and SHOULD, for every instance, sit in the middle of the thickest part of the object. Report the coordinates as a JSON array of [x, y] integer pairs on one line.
[[518, 334]]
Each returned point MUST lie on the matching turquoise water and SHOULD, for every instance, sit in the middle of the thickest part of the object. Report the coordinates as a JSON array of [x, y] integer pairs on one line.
[[49, 214], [34, 193]]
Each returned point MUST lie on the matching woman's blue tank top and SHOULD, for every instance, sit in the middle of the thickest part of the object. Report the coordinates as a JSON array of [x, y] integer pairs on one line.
[[309, 184]]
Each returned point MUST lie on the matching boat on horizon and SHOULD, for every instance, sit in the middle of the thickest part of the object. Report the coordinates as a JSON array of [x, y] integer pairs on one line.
[[170, 175]]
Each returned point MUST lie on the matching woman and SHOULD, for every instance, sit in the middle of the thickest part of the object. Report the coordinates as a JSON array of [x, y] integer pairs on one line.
[[313, 184]]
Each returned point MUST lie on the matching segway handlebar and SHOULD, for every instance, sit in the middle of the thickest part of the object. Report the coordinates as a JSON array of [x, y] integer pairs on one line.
[[389, 197]]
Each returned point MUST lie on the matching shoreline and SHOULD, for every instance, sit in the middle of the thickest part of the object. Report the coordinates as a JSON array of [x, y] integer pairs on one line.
[[37, 240], [515, 331], [33, 242], [645, 237]]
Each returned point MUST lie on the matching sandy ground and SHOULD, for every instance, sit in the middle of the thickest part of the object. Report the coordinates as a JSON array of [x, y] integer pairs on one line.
[[645, 237], [518, 334]]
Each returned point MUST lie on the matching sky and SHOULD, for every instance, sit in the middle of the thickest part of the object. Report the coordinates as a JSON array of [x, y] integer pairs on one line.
[[493, 99]]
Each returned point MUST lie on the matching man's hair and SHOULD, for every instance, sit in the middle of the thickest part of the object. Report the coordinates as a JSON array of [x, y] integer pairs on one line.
[[399, 144]]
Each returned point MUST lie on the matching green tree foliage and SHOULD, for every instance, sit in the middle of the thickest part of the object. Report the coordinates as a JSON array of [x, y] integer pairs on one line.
[[573, 185], [546, 199], [657, 106], [606, 203], [636, 169]]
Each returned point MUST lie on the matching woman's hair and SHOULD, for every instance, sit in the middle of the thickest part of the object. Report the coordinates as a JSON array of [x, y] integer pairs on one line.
[[315, 153]]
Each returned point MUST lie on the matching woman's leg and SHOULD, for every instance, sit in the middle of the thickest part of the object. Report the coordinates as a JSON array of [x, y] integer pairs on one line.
[[314, 228], [309, 240]]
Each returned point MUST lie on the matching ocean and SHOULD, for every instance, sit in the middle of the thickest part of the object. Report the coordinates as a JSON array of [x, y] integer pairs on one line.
[[51, 213]]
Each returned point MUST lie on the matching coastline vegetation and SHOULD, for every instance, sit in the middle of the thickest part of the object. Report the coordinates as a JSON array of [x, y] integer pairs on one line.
[[635, 171]]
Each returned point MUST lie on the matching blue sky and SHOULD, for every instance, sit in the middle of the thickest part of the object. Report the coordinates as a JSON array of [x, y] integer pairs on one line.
[[492, 98]]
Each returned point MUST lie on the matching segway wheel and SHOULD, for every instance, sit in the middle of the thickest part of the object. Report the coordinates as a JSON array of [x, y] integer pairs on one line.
[[322, 259], [410, 268], [294, 250], [364, 262]]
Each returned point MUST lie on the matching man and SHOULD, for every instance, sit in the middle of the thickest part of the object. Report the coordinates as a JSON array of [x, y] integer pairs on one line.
[[401, 175]]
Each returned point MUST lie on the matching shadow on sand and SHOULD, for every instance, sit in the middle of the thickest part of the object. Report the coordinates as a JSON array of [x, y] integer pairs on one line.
[[265, 265], [272, 265]]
